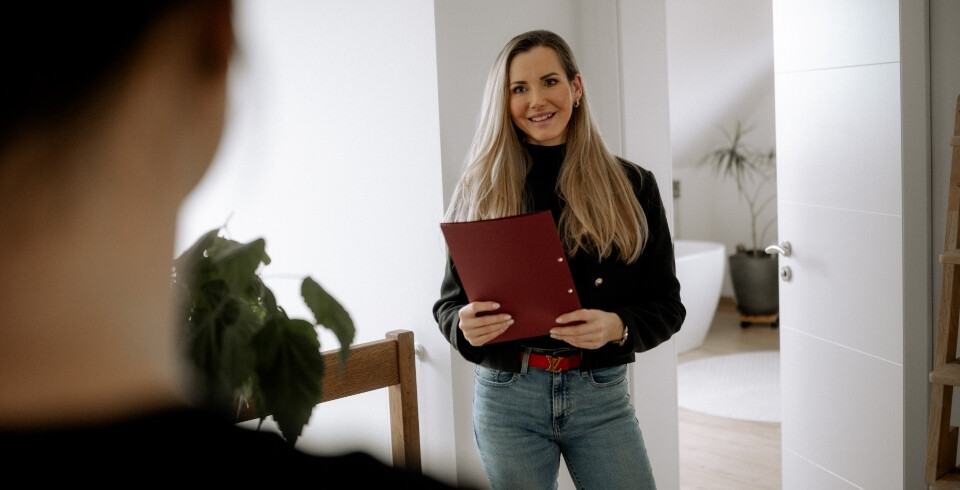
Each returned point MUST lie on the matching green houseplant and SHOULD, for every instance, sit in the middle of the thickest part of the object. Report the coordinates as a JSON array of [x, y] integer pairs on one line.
[[752, 270], [242, 345]]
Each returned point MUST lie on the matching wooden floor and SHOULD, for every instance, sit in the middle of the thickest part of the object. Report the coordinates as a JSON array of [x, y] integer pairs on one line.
[[718, 453]]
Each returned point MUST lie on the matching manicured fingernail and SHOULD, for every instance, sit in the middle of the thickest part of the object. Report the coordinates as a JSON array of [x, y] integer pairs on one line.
[[496, 305], [560, 319]]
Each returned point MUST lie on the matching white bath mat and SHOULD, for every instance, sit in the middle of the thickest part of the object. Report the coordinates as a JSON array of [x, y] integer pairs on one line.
[[744, 386]]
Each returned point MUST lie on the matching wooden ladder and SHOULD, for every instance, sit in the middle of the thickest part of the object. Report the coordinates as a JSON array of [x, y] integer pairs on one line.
[[941, 469]]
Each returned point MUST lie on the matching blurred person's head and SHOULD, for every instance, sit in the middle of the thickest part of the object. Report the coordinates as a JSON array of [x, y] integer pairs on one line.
[[110, 113], [71, 66]]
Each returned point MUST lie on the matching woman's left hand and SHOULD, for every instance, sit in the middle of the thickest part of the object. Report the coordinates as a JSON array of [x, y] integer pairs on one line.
[[598, 328]]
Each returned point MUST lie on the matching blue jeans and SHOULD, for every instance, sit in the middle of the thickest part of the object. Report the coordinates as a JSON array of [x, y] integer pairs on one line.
[[523, 422]]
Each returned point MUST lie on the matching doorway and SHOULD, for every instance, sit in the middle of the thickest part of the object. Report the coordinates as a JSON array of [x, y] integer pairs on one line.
[[720, 71]]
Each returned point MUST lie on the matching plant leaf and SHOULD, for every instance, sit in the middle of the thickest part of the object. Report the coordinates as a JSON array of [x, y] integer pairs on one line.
[[748, 167], [329, 313], [192, 255], [219, 330], [239, 262], [241, 343], [290, 371]]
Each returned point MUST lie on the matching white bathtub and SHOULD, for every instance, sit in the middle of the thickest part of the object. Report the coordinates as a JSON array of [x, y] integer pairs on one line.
[[700, 267]]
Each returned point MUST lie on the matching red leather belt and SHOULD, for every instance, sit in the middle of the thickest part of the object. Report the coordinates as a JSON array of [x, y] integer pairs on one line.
[[554, 364]]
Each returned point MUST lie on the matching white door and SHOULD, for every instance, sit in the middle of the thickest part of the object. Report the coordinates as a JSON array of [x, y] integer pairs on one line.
[[838, 117]]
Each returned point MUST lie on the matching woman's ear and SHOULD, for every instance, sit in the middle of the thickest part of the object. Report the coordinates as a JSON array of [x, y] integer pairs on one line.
[[577, 84]]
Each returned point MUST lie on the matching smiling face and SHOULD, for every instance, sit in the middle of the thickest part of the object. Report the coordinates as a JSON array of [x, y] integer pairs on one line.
[[541, 96]]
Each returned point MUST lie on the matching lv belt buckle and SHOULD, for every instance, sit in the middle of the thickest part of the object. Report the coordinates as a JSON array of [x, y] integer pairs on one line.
[[554, 366]]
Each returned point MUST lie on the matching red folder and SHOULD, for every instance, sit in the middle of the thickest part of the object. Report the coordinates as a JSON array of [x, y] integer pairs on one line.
[[518, 262]]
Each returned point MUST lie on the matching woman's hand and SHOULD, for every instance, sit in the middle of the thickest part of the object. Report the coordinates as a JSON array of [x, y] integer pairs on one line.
[[479, 330], [598, 328]]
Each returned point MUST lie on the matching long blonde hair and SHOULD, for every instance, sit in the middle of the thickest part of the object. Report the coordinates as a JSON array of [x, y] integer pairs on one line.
[[601, 214]]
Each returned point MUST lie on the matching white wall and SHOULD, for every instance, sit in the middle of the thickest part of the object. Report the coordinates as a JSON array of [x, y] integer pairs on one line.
[[333, 156], [720, 70], [647, 136]]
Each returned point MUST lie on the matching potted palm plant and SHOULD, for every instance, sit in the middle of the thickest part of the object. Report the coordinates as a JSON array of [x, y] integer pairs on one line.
[[752, 270], [242, 346]]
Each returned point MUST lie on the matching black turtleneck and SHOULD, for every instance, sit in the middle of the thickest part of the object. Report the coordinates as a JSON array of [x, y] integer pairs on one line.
[[541, 184], [541, 194]]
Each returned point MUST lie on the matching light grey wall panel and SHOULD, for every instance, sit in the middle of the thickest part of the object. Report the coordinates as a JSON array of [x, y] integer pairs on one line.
[[841, 132], [815, 34], [848, 398]]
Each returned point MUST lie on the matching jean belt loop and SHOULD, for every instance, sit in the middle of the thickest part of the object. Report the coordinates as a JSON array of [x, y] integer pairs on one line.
[[525, 360]]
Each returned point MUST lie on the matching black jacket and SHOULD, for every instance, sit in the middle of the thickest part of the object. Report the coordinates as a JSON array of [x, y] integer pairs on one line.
[[645, 294]]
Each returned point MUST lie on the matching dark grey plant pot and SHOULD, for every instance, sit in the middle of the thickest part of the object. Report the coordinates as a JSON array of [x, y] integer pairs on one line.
[[756, 285]]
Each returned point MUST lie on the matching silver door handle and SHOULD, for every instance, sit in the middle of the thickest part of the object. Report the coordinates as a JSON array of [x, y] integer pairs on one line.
[[782, 249]]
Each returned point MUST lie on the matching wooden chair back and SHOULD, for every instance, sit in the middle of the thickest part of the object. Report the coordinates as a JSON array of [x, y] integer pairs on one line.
[[389, 363]]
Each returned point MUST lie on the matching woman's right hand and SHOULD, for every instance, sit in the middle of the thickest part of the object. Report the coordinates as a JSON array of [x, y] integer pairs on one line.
[[479, 328]]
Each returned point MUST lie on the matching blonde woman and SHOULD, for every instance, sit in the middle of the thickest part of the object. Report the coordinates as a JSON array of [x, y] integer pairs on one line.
[[537, 148]]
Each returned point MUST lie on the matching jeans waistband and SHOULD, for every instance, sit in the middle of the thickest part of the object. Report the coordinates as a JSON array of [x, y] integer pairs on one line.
[[555, 352]]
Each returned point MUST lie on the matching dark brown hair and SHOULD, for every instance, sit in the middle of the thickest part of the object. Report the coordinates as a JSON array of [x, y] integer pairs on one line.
[[56, 55]]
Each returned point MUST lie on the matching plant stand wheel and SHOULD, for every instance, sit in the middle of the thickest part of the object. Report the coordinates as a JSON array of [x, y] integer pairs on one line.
[[747, 320]]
